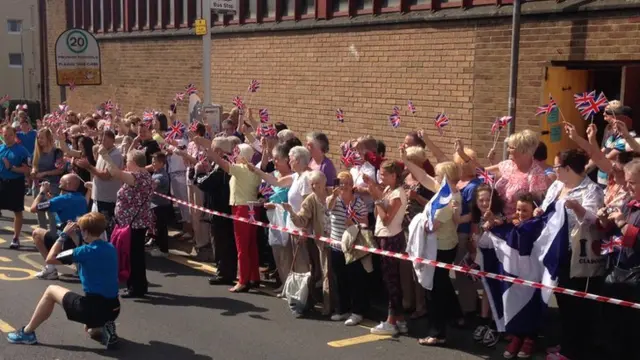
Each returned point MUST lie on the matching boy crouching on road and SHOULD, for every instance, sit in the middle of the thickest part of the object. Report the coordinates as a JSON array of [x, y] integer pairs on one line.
[[97, 264]]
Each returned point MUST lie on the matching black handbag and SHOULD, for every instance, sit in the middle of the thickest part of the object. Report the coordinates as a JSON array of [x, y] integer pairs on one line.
[[619, 275]]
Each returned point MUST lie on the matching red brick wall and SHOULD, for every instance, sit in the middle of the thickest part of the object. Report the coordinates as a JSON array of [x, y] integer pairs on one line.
[[459, 66]]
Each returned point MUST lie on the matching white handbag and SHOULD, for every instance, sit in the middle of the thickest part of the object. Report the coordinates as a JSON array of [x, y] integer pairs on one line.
[[296, 287]]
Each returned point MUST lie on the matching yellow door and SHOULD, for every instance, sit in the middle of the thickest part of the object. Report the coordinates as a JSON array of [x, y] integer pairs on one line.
[[562, 84]]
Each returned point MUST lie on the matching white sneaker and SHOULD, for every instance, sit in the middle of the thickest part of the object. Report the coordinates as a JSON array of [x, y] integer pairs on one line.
[[339, 317], [384, 328], [402, 327], [353, 320], [158, 253], [48, 273]]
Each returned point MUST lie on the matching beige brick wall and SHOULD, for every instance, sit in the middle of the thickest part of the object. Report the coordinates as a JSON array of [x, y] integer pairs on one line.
[[459, 66]]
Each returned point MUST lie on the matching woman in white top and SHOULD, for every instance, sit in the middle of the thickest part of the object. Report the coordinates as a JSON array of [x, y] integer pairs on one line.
[[390, 207]]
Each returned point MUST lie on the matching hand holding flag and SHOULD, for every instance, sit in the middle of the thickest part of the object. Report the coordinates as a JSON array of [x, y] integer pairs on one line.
[[441, 121]]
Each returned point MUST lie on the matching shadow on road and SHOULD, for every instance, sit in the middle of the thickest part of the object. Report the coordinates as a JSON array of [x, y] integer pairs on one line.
[[230, 306], [127, 349]]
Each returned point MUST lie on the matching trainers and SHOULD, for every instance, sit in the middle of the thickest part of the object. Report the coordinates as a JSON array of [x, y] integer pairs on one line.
[[48, 273], [556, 356], [478, 333], [109, 336], [402, 327], [21, 337], [150, 243], [491, 337], [513, 348], [339, 317], [384, 328], [354, 320], [15, 244], [527, 349]]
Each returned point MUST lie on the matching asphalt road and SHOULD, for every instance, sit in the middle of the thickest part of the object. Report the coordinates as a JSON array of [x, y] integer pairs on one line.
[[186, 318]]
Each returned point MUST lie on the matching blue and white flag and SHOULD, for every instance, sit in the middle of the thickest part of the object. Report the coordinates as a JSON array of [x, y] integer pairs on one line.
[[423, 244], [531, 251]]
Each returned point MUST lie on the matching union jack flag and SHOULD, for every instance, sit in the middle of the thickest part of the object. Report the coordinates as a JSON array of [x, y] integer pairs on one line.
[[176, 130], [267, 130], [190, 89], [72, 85], [108, 106], [251, 213], [194, 126], [61, 162], [352, 214], [63, 108], [441, 121], [593, 107], [496, 127], [412, 108], [147, 115], [264, 115], [340, 115], [485, 176], [505, 120], [4, 99], [237, 101], [467, 262], [345, 147], [581, 99], [266, 190], [547, 109], [254, 86], [396, 110], [179, 96], [351, 158], [394, 119], [201, 156], [610, 246], [233, 157]]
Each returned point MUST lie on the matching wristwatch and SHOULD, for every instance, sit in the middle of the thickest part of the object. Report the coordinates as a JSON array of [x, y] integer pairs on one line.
[[379, 202]]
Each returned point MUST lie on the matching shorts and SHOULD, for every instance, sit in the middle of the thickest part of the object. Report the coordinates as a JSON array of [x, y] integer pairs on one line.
[[12, 194], [50, 239], [91, 310]]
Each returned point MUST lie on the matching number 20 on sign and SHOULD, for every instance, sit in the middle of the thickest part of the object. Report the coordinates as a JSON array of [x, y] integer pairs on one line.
[[201, 27]]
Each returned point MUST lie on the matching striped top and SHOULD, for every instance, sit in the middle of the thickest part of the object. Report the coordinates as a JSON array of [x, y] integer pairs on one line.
[[339, 216]]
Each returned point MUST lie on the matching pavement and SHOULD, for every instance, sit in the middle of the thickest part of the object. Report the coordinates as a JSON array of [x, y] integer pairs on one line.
[[184, 317]]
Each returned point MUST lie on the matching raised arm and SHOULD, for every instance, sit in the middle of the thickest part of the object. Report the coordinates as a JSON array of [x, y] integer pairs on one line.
[[418, 173], [597, 157], [435, 149]]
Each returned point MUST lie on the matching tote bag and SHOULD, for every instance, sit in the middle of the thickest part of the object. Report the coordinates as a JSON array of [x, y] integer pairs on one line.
[[296, 287]]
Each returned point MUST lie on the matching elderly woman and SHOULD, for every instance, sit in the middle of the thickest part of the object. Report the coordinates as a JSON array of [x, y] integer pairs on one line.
[[133, 208], [318, 146], [299, 188], [243, 197], [583, 198], [520, 173]]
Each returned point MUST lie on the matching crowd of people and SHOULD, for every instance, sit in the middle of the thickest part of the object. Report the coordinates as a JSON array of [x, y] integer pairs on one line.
[[103, 169]]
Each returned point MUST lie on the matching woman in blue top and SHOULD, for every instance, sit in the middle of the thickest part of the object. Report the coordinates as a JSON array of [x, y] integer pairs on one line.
[[97, 263]]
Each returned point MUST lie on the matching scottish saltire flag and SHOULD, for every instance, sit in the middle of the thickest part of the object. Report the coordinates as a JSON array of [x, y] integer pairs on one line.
[[531, 251], [441, 199]]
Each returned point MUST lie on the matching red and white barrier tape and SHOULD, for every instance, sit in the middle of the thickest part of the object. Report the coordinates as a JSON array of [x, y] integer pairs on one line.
[[457, 268]]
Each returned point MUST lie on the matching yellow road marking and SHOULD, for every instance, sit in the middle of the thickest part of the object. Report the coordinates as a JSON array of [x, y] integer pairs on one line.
[[358, 340], [33, 263], [5, 327], [30, 274], [4, 259], [193, 264]]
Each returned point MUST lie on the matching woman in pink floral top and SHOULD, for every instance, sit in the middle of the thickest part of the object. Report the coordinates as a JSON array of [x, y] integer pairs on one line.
[[520, 173], [133, 207]]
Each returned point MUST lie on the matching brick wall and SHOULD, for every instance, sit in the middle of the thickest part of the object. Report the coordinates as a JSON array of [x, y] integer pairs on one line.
[[460, 66]]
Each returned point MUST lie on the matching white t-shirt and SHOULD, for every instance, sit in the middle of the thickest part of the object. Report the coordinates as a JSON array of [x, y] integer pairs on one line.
[[357, 173], [395, 226], [176, 162], [300, 188]]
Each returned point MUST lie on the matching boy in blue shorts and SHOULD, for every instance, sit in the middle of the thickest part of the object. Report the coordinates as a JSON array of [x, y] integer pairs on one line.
[[97, 263]]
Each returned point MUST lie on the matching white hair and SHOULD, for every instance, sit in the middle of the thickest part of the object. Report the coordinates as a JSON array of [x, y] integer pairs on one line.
[[317, 177], [246, 151], [301, 154], [222, 143], [286, 135]]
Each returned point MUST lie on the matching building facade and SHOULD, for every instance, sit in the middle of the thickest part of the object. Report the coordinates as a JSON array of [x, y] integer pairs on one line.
[[20, 49], [365, 56]]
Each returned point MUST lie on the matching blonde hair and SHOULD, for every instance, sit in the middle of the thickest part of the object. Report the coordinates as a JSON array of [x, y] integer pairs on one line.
[[345, 175], [416, 155], [613, 105], [466, 168], [36, 152], [524, 142], [450, 170]]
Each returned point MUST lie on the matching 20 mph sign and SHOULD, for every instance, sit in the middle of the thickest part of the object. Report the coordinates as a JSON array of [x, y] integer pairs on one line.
[[78, 58]]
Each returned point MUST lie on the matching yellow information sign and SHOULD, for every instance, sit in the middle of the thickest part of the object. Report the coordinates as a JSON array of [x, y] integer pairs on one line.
[[201, 26]]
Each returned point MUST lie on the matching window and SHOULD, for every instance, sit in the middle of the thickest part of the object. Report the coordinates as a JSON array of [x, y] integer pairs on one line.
[[419, 3], [185, 12], [14, 26], [340, 6], [90, 22], [307, 7], [368, 4], [287, 7], [268, 9], [250, 8], [172, 11], [15, 60], [390, 4]]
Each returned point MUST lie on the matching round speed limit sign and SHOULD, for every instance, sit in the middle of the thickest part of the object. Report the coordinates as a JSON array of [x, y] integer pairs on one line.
[[77, 41]]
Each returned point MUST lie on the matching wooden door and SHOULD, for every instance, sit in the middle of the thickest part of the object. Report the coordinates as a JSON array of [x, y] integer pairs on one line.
[[630, 92], [562, 84]]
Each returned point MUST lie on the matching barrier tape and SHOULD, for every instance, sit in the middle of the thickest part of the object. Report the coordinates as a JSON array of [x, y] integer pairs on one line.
[[419, 260]]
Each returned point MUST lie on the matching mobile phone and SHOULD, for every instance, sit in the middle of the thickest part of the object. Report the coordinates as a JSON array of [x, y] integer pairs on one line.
[[336, 182]]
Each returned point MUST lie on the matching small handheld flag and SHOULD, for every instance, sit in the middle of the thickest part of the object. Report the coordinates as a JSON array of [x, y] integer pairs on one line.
[[411, 107], [441, 121], [264, 115], [190, 89], [179, 97], [485, 176], [394, 119], [267, 130], [547, 109], [593, 107], [584, 98], [254, 86], [340, 115], [396, 110], [176, 130], [237, 101]]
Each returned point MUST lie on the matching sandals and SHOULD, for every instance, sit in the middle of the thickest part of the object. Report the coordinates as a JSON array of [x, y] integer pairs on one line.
[[431, 341], [239, 288]]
